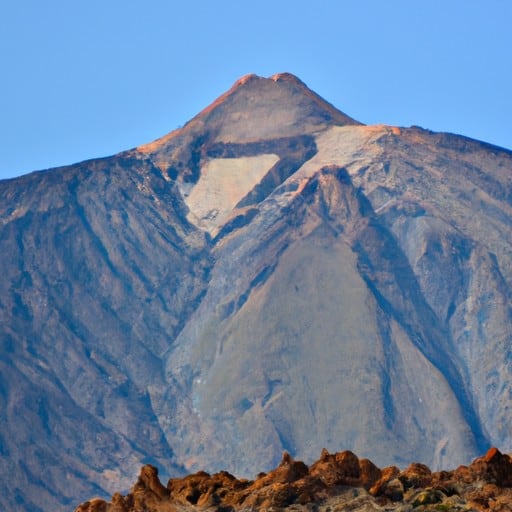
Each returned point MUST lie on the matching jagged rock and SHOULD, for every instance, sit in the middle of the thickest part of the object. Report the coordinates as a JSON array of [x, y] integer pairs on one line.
[[416, 475], [387, 474], [119, 503], [337, 469], [148, 481], [370, 473], [334, 482], [493, 467], [288, 471], [94, 505]]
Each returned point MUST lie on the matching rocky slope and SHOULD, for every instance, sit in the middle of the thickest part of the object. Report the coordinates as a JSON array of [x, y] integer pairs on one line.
[[338, 481], [273, 276]]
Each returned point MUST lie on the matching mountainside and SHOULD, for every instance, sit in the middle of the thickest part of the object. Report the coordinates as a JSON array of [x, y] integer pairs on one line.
[[272, 276]]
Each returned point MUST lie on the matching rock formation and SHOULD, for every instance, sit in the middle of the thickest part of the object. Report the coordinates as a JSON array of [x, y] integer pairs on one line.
[[272, 276], [338, 481]]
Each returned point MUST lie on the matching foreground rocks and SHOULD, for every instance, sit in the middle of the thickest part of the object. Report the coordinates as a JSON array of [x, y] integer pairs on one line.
[[336, 482]]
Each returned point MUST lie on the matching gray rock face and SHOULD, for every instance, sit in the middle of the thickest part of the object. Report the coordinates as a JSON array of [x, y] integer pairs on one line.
[[273, 276]]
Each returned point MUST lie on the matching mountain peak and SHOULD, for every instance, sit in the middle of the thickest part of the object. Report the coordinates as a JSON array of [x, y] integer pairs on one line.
[[245, 79], [257, 108], [281, 78], [281, 103], [287, 77], [277, 77]]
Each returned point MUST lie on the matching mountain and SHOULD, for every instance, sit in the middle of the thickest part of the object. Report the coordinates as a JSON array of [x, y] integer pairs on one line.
[[272, 276]]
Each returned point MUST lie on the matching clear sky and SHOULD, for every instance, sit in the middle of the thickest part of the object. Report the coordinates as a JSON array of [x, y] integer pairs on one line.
[[88, 78]]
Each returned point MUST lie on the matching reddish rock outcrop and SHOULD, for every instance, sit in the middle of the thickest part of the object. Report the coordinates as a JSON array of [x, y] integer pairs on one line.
[[338, 481]]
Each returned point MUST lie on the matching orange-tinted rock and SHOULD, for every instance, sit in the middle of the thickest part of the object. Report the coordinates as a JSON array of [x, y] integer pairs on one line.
[[370, 473], [463, 474], [348, 463], [335, 481], [387, 474], [290, 470], [324, 455], [189, 489], [204, 490], [94, 505], [491, 454], [493, 467], [337, 469], [416, 476], [119, 503], [148, 478]]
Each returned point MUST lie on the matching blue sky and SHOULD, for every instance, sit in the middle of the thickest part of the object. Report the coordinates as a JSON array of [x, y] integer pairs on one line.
[[82, 79]]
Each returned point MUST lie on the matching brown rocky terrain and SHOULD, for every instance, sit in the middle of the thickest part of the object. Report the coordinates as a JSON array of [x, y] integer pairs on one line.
[[274, 276], [336, 482]]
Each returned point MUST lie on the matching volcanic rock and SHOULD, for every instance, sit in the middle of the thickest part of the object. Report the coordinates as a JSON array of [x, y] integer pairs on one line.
[[294, 486]]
